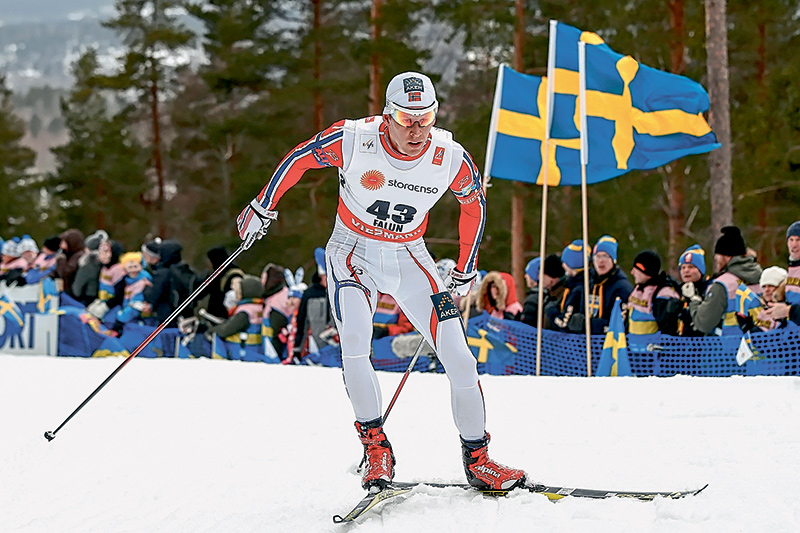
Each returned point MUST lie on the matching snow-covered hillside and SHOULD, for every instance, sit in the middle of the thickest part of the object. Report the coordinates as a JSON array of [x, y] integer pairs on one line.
[[201, 445]]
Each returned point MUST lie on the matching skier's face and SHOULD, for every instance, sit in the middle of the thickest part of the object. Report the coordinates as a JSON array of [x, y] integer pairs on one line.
[[408, 140]]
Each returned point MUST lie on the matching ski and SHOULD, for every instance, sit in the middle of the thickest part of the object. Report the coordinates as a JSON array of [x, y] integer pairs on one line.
[[554, 493]]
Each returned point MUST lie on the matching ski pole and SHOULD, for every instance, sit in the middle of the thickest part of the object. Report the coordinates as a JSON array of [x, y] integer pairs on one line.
[[50, 435], [403, 380]]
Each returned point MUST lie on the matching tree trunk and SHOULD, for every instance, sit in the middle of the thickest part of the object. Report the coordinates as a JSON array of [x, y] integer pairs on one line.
[[721, 183], [375, 85], [157, 161], [317, 91], [761, 74], [676, 208], [517, 208]]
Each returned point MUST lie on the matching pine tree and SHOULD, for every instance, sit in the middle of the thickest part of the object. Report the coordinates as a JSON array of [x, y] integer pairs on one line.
[[152, 33], [18, 188], [99, 181]]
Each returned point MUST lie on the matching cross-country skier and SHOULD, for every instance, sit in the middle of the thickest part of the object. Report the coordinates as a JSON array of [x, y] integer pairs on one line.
[[392, 170]]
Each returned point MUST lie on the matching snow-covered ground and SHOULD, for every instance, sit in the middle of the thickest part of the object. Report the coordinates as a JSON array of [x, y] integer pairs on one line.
[[202, 445]]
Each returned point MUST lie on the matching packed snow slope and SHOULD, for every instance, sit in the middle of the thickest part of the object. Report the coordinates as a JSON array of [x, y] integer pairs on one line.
[[218, 446]]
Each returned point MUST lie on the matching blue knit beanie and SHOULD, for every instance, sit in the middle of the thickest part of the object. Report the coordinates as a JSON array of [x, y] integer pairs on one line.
[[793, 230], [571, 256], [607, 244], [694, 255], [532, 268]]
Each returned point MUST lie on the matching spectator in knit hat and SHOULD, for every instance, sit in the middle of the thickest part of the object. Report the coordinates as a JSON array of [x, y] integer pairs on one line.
[[13, 266], [45, 262], [607, 282], [655, 304], [552, 288], [773, 283], [793, 272], [28, 250], [151, 254], [86, 286], [692, 265], [735, 269], [573, 258], [10, 254]]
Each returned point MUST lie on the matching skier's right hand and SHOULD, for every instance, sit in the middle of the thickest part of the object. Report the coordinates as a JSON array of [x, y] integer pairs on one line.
[[253, 222]]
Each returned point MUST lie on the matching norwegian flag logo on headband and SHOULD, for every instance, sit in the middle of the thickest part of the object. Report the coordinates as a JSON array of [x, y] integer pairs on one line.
[[413, 85]]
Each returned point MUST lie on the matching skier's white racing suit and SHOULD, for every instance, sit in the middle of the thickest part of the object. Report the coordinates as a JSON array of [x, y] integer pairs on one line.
[[377, 245]]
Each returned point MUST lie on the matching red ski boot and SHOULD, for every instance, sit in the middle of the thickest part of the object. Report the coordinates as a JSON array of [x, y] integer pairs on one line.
[[379, 458], [483, 473]]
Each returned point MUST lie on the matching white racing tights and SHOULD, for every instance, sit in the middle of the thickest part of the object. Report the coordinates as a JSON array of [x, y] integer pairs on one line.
[[357, 268]]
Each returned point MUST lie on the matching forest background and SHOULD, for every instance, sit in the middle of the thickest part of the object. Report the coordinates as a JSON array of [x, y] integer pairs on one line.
[[175, 119]]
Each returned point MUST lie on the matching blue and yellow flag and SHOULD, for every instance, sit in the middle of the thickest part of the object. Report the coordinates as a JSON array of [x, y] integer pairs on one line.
[[614, 358], [638, 118], [12, 318]]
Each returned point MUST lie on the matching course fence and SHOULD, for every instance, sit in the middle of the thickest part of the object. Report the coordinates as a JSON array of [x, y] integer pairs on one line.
[[35, 316]]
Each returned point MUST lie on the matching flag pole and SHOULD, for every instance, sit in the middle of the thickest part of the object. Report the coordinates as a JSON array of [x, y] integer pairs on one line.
[[498, 92], [551, 67], [584, 201]]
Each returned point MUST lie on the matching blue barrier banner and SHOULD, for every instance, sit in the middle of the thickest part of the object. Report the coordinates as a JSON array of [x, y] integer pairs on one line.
[[24, 329], [500, 347], [82, 335]]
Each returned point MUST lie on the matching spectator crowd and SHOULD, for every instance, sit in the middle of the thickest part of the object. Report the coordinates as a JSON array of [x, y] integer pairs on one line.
[[291, 319]]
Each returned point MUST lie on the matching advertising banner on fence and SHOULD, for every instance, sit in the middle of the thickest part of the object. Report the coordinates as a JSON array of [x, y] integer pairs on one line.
[[23, 329]]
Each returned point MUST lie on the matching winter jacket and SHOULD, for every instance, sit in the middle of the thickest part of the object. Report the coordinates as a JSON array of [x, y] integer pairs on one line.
[[131, 308], [654, 307], [507, 306], [173, 281], [67, 264], [42, 267], [530, 307], [86, 285], [707, 314], [216, 290], [560, 311], [603, 292], [246, 317]]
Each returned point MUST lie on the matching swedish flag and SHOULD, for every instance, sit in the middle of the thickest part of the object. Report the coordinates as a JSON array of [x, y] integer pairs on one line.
[[12, 318], [637, 118], [614, 357]]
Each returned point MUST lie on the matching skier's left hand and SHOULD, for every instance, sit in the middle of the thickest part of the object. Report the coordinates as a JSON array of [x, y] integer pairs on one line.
[[458, 283]]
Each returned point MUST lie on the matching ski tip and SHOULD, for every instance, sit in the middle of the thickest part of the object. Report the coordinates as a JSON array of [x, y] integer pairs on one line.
[[337, 519]]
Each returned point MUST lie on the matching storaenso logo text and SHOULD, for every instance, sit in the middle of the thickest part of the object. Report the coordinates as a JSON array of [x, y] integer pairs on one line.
[[412, 187]]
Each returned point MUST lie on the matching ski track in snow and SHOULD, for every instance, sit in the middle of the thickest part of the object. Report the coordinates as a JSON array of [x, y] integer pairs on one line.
[[220, 446]]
